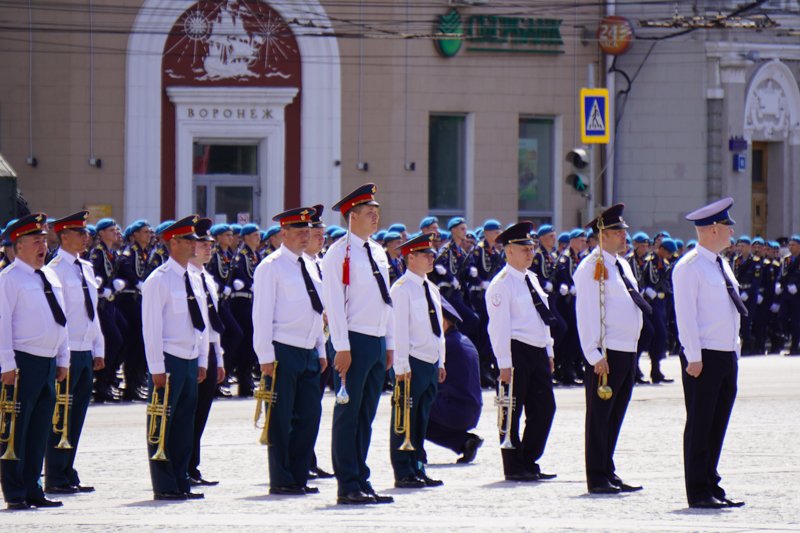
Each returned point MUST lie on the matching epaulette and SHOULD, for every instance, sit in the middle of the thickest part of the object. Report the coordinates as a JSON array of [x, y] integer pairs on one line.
[[271, 257], [127, 252], [400, 282], [690, 257], [160, 251], [162, 268], [10, 267], [503, 274], [98, 246], [756, 258], [54, 261]]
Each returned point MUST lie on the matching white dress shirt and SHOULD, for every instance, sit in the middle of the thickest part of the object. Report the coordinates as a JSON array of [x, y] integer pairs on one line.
[[358, 307], [512, 315], [413, 334], [707, 317], [282, 310], [213, 337], [166, 322], [84, 334], [26, 322], [623, 317]]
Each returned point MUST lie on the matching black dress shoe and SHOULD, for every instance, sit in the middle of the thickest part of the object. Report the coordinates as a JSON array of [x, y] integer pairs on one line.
[[642, 381], [312, 475], [379, 498], [409, 482], [662, 379], [199, 481], [310, 490], [322, 474], [223, 391], [470, 449], [544, 477], [84, 488], [169, 496], [429, 482], [732, 503], [17, 506], [522, 476], [290, 490], [708, 503], [61, 489], [43, 502], [195, 495], [605, 489], [355, 498]]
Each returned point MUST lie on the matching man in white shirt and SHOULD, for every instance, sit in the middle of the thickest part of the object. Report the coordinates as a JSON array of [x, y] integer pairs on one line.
[[418, 356], [519, 330], [708, 310], [609, 348], [33, 340], [176, 345], [355, 284], [86, 344], [207, 390], [288, 330]]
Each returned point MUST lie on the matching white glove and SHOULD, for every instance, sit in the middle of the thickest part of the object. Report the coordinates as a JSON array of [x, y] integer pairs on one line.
[[139, 285], [456, 285], [98, 280], [238, 284], [227, 291], [473, 272], [775, 308], [778, 288], [792, 289], [573, 291], [744, 296], [106, 293], [118, 284], [440, 270], [759, 299], [650, 293], [548, 286], [563, 289]]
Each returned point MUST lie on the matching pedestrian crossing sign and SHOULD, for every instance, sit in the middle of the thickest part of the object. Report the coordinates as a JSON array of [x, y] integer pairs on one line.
[[594, 116]]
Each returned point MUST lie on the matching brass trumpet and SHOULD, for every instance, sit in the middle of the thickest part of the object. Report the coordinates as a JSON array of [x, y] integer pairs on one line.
[[402, 413], [505, 403], [63, 402], [269, 397], [158, 411], [9, 409]]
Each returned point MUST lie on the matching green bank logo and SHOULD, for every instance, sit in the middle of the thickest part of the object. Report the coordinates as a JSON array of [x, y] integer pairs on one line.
[[450, 32]]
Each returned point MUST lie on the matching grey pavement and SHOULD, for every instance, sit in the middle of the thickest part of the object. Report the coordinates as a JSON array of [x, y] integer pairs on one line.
[[760, 464]]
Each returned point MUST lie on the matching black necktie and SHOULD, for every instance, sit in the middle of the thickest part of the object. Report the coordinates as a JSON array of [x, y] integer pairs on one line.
[[377, 273], [194, 307], [544, 312], [58, 313], [637, 298], [213, 316], [437, 330], [312, 291], [87, 301], [737, 300]]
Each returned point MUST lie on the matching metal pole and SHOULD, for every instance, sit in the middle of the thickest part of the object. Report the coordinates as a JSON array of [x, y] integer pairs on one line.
[[590, 199]]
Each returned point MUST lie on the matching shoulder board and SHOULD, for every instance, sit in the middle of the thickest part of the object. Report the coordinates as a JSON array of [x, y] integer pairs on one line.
[[54, 261], [399, 282], [160, 251], [690, 258], [162, 268], [10, 267], [127, 252], [503, 274], [271, 257], [98, 246], [756, 258]]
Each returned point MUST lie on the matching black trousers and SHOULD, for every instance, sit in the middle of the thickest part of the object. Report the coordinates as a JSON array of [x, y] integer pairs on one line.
[[604, 417], [206, 391], [533, 391], [135, 364], [110, 322], [242, 309], [709, 401]]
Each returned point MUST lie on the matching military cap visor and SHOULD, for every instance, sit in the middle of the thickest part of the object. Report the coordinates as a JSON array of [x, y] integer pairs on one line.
[[364, 195], [611, 218], [713, 213], [76, 221], [33, 224], [421, 243], [203, 230], [181, 229], [519, 233], [299, 217]]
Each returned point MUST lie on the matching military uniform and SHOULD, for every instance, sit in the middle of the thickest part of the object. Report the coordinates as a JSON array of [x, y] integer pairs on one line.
[[747, 270], [544, 266], [790, 298], [243, 268], [657, 288], [568, 349], [220, 269]]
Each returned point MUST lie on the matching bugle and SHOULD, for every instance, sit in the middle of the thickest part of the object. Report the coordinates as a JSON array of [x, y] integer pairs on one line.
[[63, 403], [265, 393], [402, 413], [158, 412], [505, 403], [9, 409]]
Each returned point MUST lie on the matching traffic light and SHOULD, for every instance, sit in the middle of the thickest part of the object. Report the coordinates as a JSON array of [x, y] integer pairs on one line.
[[579, 159]]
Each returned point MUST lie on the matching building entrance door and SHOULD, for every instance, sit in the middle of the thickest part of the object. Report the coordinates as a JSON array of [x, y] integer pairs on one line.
[[759, 189], [227, 184]]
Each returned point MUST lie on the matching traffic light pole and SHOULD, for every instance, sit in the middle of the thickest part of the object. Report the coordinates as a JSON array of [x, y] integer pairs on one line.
[[590, 196]]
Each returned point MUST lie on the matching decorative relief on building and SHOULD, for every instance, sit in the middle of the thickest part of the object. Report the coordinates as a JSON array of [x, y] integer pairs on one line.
[[772, 108]]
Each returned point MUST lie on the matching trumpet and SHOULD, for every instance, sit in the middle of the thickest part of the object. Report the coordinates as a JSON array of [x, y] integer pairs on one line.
[[505, 403], [158, 412], [341, 396], [402, 413], [9, 409], [269, 397], [63, 402]]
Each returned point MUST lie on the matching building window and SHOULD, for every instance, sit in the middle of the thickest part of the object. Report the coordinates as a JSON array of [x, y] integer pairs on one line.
[[446, 164], [535, 170]]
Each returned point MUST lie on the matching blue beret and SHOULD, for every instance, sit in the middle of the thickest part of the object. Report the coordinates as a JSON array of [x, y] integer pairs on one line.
[[444, 234], [479, 233], [137, 225], [669, 245], [774, 244], [381, 235], [640, 237], [263, 234], [576, 234], [563, 238], [6, 239], [427, 221], [397, 228], [92, 230], [628, 239], [164, 225], [471, 235], [105, 223], [247, 229], [679, 243], [127, 233], [492, 224], [663, 235], [589, 233], [691, 244], [330, 229], [544, 229], [218, 229], [236, 229], [391, 236], [455, 221], [272, 230], [745, 239], [414, 235], [795, 238], [732, 241], [338, 233], [758, 240]]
